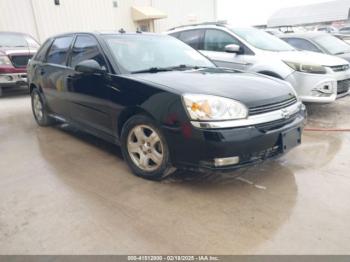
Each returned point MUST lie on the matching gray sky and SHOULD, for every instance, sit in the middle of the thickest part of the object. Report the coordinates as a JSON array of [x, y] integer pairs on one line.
[[254, 12]]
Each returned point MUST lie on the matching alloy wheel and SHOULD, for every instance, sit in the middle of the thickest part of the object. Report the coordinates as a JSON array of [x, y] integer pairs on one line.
[[145, 148]]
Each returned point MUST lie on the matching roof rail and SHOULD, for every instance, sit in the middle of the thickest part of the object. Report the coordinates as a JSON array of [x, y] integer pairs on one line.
[[217, 23]]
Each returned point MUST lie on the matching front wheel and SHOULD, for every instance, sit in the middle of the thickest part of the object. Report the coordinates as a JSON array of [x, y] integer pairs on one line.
[[145, 149]]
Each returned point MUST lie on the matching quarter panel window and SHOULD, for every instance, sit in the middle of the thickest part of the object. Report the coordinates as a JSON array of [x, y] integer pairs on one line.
[[40, 55], [192, 37], [85, 48], [59, 50], [216, 40], [302, 44]]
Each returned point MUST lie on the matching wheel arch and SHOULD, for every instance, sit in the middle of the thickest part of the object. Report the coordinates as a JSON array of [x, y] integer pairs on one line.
[[127, 113]]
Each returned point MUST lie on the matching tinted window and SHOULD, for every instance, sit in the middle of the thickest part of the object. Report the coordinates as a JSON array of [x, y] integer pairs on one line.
[[216, 40], [59, 50], [40, 55], [302, 44], [86, 47], [192, 37]]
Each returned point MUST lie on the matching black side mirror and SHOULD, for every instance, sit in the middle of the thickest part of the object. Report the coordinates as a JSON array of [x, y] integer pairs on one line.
[[233, 48], [90, 67]]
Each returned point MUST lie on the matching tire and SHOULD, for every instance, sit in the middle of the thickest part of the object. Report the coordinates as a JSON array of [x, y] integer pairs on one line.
[[145, 149], [39, 109]]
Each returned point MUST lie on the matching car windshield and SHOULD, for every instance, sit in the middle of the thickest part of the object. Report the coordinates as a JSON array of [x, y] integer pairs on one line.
[[332, 44], [17, 40], [142, 52], [262, 40]]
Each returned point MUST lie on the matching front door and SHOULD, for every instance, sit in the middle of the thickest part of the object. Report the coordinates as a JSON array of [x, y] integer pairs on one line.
[[89, 94], [214, 47]]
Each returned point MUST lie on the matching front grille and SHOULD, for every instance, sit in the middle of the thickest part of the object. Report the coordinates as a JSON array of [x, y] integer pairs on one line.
[[343, 86], [272, 107], [265, 127], [340, 68], [20, 60]]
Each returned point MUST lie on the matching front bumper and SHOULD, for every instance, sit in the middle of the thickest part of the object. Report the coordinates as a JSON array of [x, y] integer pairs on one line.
[[318, 88], [199, 148], [13, 79]]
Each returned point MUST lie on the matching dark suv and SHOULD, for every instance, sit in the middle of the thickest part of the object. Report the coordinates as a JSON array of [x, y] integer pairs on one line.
[[163, 102], [15, 51]]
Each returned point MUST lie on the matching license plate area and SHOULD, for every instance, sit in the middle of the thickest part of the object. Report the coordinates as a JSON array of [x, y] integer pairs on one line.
[[290, 139]]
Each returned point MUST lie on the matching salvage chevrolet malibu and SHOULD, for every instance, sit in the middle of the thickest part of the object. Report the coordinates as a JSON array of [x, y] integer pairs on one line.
[[164, 103]]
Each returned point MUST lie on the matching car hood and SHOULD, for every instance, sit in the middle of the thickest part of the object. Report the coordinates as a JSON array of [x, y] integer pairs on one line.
[[250, 89], [17, 51], [307, 57]]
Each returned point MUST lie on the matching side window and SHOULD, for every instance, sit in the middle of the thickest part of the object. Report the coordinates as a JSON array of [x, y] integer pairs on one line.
[[86, 48], [59, 50], [40, 55], [216, 40], [192, 37], [302, 44]]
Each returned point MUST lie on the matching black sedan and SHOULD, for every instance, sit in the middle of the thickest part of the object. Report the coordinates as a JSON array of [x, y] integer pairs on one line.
[[164, 103]]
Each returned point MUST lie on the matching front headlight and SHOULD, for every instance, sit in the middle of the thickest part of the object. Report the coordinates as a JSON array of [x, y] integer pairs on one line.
[[4, 60], [306, 68], [213, 108]]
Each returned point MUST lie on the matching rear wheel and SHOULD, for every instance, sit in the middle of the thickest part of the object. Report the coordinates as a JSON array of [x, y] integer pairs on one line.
[[145, 149], [39, 109]]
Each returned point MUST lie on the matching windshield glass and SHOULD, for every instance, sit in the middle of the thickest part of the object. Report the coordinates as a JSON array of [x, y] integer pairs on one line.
[[17, 40], [332, 44], [262, 40], [141, 52]]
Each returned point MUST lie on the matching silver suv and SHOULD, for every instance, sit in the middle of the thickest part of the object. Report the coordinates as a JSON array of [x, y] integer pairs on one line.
[[315, 77]]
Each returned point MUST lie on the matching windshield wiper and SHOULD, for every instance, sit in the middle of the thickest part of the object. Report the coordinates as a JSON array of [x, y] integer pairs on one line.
[[340, 53], [164, 69], [153, 70]]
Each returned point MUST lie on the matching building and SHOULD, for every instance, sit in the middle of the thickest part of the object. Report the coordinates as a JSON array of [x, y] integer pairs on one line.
[[43, 18], [328, 13]]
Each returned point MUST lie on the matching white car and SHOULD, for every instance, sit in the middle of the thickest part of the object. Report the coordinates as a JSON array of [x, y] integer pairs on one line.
[[315, 77]]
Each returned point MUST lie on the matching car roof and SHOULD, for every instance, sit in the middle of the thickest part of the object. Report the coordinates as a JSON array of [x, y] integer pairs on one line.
[[100, 33], [306, 35], [200, 25]]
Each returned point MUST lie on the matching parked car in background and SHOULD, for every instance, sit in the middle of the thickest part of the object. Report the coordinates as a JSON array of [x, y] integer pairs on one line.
[[314, 76], [344, 30], [322, 43], [163, 102], [15, 51], [327, 29], [344, 37], [319, 42]]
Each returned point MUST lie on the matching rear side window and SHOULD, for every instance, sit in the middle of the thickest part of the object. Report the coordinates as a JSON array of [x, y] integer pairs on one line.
[[86, 47], [193, 38], [216, 40], [302, 44], [40, 55], [59, 50]]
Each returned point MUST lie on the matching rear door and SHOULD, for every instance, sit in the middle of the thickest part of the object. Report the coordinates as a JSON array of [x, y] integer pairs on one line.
[[89, 94], [53, 73]]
